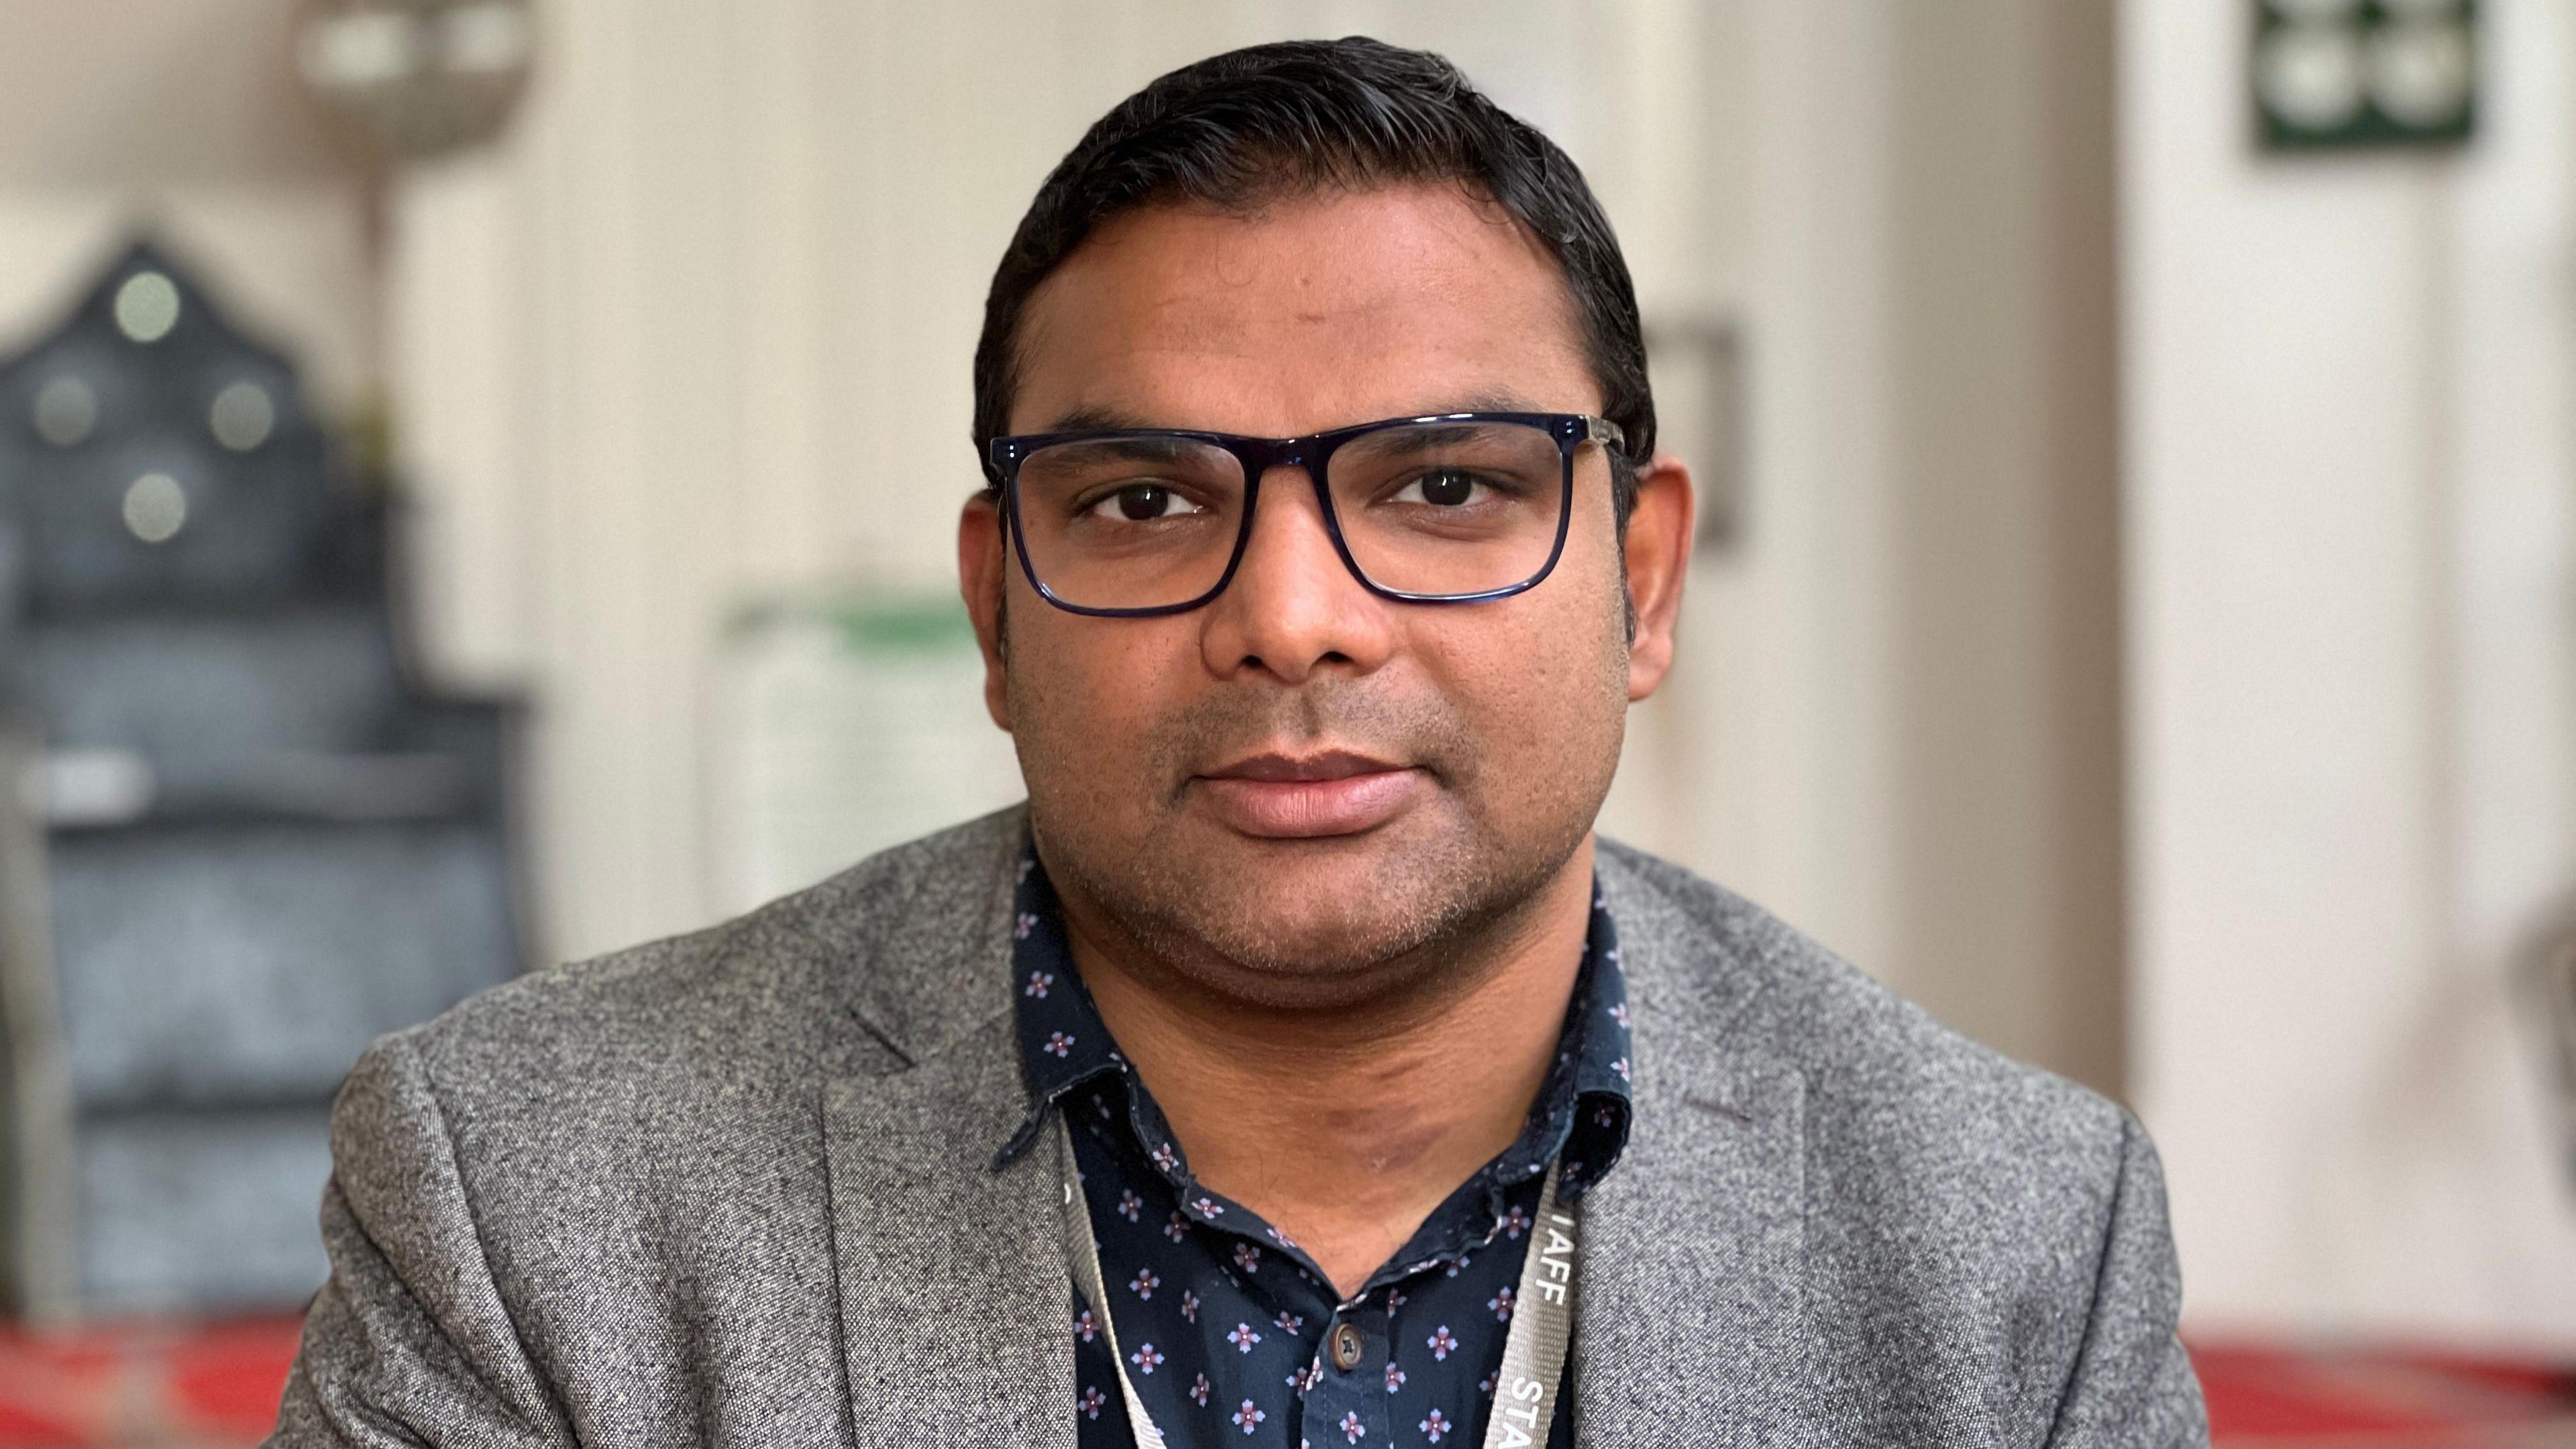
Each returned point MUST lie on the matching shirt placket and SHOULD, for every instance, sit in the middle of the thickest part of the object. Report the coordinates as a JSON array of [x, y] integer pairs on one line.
[[1347, 1405]]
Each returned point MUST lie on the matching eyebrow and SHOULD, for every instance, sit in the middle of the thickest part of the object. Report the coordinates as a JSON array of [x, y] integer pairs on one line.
[[1093, 418], [1099, 418], [1134, 450]]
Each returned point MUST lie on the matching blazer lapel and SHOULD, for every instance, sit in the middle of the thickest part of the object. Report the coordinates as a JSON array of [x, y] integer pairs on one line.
[[953, 1291], [1690, 1304]]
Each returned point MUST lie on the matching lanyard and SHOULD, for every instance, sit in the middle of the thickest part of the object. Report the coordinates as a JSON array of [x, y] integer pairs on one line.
[[1525, 1389]]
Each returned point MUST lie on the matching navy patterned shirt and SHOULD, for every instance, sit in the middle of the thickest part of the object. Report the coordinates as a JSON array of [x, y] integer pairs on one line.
[[1223, 1319]]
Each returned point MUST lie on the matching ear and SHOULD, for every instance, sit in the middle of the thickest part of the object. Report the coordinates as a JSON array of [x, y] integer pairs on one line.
[[983, 572], [1659, 548]]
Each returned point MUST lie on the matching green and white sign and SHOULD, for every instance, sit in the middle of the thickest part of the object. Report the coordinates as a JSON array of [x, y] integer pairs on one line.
[[843, 725]]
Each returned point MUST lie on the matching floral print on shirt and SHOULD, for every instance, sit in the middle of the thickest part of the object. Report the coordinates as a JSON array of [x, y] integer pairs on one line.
[[1226, 1324]]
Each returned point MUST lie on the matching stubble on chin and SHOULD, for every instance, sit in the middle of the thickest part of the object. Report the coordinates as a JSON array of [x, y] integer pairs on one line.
[[1287, 925]]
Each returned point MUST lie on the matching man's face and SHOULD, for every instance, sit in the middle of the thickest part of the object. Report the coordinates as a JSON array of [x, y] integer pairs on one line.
[[1284, 792]]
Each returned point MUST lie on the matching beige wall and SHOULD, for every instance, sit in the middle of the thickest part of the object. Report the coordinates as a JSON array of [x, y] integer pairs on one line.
[[1896, 721], [2351, 584], [2003, 513]]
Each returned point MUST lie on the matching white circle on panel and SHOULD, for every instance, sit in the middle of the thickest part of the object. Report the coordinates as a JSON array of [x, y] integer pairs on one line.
[[2419, 72], [65, 411], [2310, 75], [493, 38], [362, 48], [155, 507], [147, 306], [242, 416]]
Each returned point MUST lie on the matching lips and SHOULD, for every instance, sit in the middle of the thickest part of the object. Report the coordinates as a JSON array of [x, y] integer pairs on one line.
[[1300, 797]]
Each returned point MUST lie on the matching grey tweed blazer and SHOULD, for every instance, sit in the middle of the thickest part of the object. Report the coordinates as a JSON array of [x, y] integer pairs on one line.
[[737, 1188]]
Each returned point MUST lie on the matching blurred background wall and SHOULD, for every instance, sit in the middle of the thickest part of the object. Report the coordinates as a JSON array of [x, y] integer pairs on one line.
[[2145, 638], [2350, 514]]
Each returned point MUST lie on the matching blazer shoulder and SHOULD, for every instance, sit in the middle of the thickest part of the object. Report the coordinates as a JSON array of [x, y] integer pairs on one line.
[[1880, 1073], [2005, 1224], [850, 973]]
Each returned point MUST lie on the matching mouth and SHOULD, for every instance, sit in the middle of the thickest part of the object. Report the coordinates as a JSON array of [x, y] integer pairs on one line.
[[1280, 796]]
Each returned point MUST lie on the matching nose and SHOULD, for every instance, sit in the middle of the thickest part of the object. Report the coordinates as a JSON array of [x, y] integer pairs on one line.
[[1293, 607]]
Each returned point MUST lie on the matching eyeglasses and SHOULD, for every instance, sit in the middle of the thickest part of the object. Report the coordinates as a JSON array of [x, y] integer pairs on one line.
[[1454, 508]]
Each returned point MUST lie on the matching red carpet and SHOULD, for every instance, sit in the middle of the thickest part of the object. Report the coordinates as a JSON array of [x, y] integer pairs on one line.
[[137, 1384], [2264, 1395], [213, 1386]]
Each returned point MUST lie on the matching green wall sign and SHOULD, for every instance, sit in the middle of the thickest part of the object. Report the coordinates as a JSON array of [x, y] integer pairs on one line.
[[2333, 75]]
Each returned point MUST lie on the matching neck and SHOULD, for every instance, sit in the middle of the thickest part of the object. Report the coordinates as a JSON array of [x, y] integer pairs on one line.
[[1346, 1127]]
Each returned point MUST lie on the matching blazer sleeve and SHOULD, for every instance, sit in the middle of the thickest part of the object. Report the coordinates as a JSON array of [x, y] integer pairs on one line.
[[2133, 1385], [408, 1343]]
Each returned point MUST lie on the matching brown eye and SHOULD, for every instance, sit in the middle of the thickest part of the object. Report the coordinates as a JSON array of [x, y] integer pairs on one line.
[[1441, 487], [1143, 503]]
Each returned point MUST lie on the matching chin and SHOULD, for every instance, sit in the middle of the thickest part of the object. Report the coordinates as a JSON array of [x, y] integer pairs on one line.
[[1315, 943], [1312, 923]]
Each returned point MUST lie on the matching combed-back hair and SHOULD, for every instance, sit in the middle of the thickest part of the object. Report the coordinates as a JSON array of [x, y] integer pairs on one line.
[[1274, 121]]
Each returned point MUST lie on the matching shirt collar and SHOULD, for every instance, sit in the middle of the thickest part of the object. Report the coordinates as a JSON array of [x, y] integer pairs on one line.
[[1582, 1109], [1063, 1041]]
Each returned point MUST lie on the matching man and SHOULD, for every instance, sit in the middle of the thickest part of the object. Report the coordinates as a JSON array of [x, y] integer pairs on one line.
[[1295, 1068]]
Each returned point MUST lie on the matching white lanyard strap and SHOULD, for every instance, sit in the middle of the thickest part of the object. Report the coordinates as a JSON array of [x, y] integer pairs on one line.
[[1525, 1389], [1533, 1369], [1084, 1255]]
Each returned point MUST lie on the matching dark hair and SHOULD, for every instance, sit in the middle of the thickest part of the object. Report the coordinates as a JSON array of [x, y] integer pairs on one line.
[[1251, 125]]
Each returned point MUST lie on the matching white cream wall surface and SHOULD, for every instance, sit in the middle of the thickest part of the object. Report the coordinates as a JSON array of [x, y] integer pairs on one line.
[[2351, 568]]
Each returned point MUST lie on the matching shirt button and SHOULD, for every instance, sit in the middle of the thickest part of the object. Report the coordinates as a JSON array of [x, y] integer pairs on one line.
[[1346, 1347]]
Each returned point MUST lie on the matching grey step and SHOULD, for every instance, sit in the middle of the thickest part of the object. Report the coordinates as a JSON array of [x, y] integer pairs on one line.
[[202, 1213], [200, 699], [162, 517], [216, 964]]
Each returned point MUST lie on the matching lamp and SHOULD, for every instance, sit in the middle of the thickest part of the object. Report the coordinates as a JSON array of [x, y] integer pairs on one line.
[[415, 79]]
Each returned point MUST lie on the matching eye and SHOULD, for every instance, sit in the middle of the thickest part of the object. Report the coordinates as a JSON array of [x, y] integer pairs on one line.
[[1441, 488], [1142, 503]]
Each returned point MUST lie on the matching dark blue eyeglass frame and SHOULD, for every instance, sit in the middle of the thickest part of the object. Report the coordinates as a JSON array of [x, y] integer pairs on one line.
[[1311, 453]]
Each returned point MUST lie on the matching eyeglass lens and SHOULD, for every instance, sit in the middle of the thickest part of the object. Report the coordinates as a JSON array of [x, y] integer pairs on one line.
[[1447, 508]]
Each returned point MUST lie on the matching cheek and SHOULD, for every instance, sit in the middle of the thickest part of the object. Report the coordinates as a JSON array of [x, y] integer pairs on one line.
[[1543, 690], [1585, 628], [1083, 702]]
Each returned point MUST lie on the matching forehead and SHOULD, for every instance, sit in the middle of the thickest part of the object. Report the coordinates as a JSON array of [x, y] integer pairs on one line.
[[1309, 313]]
